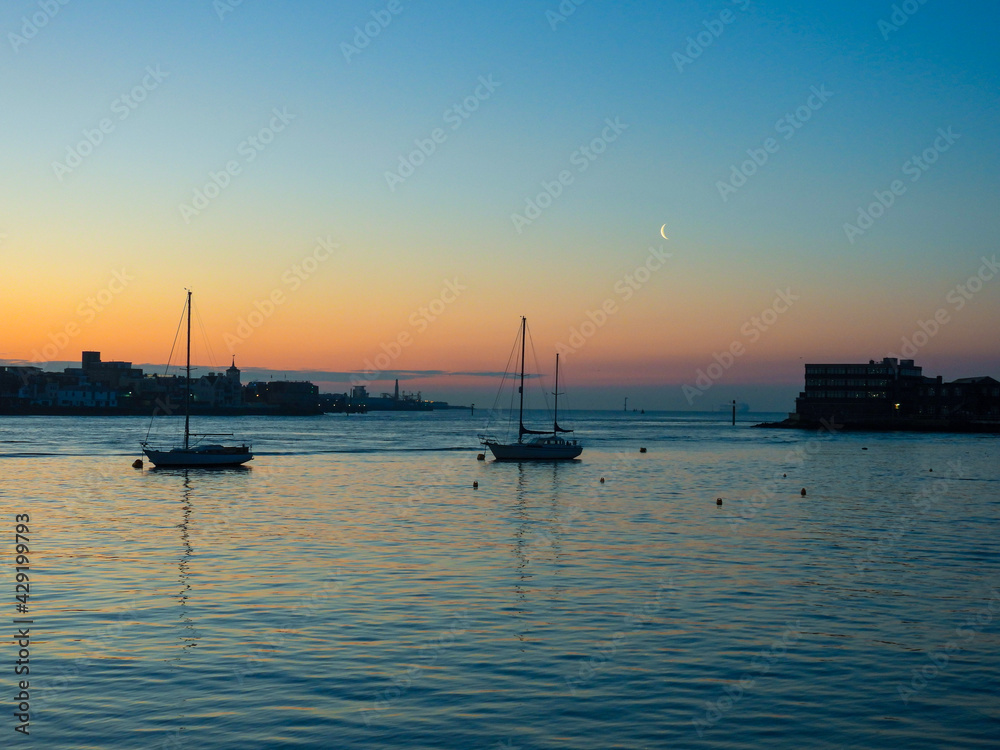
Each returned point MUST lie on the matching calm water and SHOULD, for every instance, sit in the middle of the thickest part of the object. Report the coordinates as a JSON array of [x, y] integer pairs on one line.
[[352, 589]]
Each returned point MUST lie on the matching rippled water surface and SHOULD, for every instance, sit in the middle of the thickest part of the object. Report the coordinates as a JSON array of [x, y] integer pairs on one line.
[[353, 590]]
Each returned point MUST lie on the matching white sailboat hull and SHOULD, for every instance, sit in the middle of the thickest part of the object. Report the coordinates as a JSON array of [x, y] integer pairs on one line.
[[535, 450], [202, 456]]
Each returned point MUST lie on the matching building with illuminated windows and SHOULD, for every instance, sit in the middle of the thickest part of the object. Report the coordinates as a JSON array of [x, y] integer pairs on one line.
[[894, 394]]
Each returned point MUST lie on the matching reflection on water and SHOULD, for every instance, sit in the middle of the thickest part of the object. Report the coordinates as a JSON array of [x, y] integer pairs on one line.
[[189, 636], [377, 598]]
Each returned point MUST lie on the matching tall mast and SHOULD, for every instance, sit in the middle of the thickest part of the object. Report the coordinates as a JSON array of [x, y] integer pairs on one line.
[[555, 408], [187, 386], [520, 413]]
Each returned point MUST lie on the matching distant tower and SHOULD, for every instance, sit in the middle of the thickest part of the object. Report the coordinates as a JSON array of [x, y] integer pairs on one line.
[[395, 396], [233, 373]]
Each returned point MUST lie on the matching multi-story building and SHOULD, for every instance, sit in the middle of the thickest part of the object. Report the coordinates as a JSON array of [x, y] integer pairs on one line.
[[892, 391]]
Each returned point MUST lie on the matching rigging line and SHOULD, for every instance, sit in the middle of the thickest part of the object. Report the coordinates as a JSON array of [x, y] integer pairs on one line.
[[538, 369], [510, 411], [565, 391], [513, 362], [166, 367], [503, 380], [177, 334], [509, 370], [213, 362]]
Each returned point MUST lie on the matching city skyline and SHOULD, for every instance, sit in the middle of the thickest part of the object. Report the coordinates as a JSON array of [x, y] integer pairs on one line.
[[379, 382], [392, 185]]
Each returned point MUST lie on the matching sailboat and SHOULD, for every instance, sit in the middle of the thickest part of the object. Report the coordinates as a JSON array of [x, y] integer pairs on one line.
[[548, 445], [198, 454]]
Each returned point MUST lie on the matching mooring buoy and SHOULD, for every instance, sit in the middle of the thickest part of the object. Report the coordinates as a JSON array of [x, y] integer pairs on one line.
[[803, 492], [137, 464]]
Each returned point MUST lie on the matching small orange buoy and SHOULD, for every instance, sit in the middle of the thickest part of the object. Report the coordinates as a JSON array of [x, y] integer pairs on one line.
[[642, 450], [481, 457], [137, 464], [803, 492], [475, 485], [718, 501], [602, 480]]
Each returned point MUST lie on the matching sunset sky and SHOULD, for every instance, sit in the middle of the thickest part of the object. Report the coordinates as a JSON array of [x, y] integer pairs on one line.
[[334, 178]]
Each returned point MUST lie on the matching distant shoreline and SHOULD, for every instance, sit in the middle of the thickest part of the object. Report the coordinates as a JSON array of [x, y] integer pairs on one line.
[[87, 411], [743, 418], [889, 425]]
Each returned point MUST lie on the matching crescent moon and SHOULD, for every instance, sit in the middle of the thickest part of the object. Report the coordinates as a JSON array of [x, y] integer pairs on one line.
[[663, 234]]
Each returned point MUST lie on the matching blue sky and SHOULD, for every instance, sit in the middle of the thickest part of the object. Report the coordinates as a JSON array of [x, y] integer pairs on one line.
[[684, 124]]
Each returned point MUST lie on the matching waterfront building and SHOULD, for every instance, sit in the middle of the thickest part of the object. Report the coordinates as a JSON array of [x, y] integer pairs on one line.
[[892, 391]]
